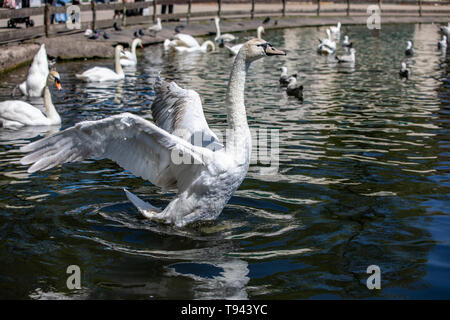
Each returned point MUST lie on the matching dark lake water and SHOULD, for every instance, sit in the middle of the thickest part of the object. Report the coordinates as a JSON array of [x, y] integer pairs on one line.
[[363, 180]]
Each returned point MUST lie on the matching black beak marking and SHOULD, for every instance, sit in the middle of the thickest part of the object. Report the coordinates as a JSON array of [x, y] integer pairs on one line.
[[268, 45]]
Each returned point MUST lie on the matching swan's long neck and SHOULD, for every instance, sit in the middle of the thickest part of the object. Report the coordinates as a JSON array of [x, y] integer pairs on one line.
[[217, 28], [133, 47], [258, 32], [238, 135], [50, 110], [118, 67]]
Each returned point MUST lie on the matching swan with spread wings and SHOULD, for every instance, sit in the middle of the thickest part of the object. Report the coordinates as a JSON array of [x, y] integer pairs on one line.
[[204, 174]]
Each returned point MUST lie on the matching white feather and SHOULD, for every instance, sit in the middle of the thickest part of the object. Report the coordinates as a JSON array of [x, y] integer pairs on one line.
[[37, 75]]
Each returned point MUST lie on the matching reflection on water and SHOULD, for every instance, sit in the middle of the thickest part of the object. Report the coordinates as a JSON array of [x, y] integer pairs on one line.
[[361, 181]]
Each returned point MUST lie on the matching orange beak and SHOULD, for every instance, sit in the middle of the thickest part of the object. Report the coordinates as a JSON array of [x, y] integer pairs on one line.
[[271, 51], [58, 85]]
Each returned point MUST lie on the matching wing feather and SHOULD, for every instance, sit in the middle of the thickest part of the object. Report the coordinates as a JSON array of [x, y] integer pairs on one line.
[[180, 112], [132, 142]]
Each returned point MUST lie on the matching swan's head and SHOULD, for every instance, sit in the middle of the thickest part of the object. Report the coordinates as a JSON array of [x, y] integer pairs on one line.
[[209, 44], [118, 49], [54, 76], [346, 38], [138, 42], [283, 70], [255, 49], [403, 66], [408, 44], [216, 19]]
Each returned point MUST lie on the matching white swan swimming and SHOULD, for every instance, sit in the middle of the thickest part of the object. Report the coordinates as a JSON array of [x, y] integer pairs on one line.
[[99, 74], [34, 85], [203, 48], [161, 152], [181, 40], [327, 45], [17, 113], [235, 49], [128, 58], [227, 37]]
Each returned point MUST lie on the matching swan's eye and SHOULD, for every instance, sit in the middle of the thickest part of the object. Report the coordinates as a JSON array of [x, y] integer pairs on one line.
[[264, 45]]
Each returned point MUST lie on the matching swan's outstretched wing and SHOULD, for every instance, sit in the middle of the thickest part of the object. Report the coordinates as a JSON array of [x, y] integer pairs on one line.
[[180, 112], [134, 143]]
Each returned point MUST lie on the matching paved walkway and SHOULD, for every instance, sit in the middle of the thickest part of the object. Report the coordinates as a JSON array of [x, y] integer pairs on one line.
[[76, 46], [290, 6]]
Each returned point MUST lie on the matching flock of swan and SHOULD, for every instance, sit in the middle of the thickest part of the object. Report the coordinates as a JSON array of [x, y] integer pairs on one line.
[[204, 176]]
